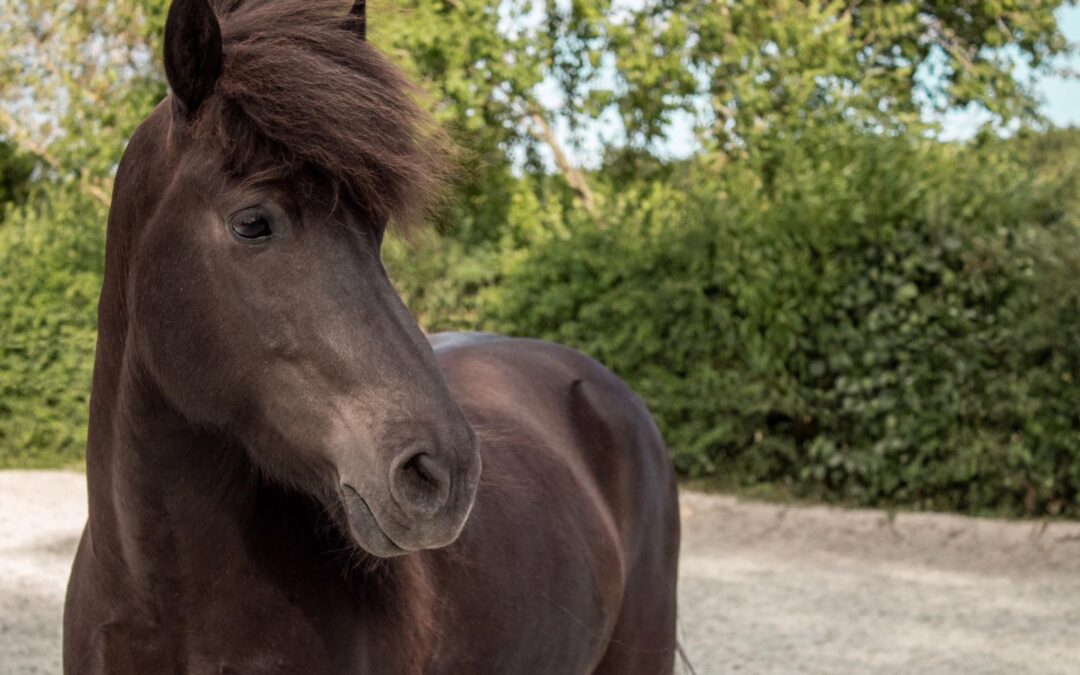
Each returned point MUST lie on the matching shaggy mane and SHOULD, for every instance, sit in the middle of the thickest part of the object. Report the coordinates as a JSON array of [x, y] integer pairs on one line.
[[303, 98]]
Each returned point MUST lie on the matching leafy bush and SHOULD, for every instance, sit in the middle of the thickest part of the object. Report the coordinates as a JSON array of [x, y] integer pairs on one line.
[[883, 322], [51, 256], [15, 172], [876, 321]]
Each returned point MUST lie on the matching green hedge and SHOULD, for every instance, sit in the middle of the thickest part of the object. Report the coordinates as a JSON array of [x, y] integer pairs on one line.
[[874, 321], [51, 255], [882, 322]]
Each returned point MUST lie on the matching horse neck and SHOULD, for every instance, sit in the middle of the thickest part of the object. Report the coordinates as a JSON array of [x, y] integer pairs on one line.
[[181, 526], [160, 491], [154, 481], [172, 505]]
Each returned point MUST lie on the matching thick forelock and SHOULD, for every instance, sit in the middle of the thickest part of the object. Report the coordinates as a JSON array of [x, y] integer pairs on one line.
[[303, 97]]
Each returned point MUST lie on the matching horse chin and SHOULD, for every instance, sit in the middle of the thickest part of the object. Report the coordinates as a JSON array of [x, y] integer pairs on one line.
[[365, 529]]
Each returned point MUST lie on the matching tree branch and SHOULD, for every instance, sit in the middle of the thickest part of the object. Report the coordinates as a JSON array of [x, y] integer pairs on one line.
[[579, 184], [944, 36]]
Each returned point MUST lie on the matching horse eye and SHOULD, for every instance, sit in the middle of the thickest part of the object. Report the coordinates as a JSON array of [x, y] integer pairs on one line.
[[252, 224]]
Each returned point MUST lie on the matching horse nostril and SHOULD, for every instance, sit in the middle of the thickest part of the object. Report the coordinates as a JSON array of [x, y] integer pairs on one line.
[[421, 467], [420, 484]]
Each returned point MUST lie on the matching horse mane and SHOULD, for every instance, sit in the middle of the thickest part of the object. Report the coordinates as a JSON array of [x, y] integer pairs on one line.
[[302, 98]]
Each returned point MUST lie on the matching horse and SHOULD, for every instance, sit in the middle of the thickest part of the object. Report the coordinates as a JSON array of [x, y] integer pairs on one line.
[[285, 474]]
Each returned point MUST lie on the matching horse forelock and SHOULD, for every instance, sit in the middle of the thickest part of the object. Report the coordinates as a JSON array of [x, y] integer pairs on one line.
[[303, 98]]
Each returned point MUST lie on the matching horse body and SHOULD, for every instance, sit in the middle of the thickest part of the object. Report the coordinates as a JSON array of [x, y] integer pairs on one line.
[[284, 474], [567, 563]]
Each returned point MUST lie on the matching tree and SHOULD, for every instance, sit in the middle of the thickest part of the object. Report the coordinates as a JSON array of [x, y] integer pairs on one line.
[[76, 79], [753, 74], [80, 75], [486, 62], [771, 69]]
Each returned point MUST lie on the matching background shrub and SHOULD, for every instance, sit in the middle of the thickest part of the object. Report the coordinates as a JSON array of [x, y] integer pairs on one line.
[[52, 268], [899, 326], [823, 297]]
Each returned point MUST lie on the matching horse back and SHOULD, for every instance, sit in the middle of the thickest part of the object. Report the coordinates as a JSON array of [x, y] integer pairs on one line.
[[585, 415]]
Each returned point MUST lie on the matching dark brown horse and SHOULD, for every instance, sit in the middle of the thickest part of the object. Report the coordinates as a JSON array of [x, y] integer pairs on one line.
[[284, 474]]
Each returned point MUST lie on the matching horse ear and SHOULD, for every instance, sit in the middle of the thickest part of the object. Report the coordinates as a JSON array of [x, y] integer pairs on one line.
[[193, 59], [359, 16]]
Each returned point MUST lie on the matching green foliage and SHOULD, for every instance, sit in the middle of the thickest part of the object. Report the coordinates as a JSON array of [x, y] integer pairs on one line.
[[52, 267], [821, 299], [770, 70], [752, 74], [15, 172], [897, 326]]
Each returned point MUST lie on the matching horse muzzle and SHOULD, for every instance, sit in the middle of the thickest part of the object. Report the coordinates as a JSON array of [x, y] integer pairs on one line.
[[424, 503]]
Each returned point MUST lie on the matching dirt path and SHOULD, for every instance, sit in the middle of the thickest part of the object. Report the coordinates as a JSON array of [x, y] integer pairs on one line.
[[764, 589]]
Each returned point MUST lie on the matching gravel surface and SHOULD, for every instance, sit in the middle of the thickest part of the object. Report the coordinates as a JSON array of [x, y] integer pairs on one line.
[[764, 588]]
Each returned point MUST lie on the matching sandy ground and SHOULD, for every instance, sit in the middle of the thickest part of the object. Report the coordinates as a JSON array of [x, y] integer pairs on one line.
[[764, 588]]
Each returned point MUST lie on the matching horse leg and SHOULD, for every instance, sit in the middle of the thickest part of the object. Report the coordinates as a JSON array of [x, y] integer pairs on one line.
[[644, 639]]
